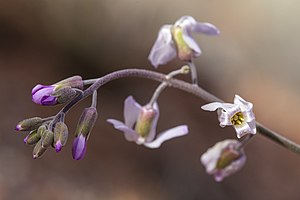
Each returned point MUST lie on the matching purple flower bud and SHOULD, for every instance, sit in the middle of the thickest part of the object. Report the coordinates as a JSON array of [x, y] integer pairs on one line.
[[79, 147], [42, 94], [58, 146], [85, 125], [60, 135], [29, 124], [49, 94]]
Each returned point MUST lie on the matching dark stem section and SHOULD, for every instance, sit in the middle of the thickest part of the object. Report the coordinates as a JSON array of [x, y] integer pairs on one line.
[[182, 85]]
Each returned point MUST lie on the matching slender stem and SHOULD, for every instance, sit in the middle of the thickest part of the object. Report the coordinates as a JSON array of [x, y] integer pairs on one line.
[[182, 85], [193, 73], [94, 99], [245, 141]]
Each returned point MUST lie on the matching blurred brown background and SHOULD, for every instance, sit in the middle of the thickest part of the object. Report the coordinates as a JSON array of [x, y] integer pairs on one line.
[[256, 56]]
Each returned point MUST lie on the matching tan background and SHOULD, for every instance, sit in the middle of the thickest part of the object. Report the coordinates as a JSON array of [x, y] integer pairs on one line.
[[256, 56]]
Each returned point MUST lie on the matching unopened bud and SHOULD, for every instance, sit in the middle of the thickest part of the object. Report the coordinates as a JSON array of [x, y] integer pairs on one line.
[[32, 138], [86, 122], [84, 127], [60, 135], [145, 120], [185, 53], [65, 94], [29, 124], [38, 150], [47, 138]]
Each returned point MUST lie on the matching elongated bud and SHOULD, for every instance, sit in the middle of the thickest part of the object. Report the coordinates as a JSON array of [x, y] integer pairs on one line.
[[47, 138], [47, 94], [145, 120], [84, 127], [60, 135], [38, 150], [32, 138], [185, 53], [29, 124]]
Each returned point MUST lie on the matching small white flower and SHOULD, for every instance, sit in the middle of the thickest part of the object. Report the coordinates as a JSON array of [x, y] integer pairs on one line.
[[140, 125], [239, 114], [178, 39], [223, 159]]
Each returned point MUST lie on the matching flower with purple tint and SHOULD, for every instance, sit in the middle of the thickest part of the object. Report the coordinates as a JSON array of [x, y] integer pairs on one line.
[[57, 93], [223, 159], [177, 40], [239, 115], [140, 125], [85, 125]]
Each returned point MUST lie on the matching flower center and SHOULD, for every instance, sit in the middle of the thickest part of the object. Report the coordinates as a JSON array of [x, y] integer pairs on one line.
[[237, 119]]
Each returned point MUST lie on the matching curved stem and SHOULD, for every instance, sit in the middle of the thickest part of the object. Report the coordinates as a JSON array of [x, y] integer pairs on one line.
[[182, 85]]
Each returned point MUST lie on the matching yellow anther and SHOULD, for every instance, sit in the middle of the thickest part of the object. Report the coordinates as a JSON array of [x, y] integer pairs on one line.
[[237, 118]]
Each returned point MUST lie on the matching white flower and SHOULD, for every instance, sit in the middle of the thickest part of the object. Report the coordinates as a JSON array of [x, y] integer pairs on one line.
[[223, 159], [239, 114], [140, 125], [178, 38]]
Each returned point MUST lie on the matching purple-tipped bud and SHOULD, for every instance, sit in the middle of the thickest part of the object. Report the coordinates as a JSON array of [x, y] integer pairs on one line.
[[79, 147], [85, 125], [47, 95], [38, 150], [29, 124], [60, 135], [32, 138]]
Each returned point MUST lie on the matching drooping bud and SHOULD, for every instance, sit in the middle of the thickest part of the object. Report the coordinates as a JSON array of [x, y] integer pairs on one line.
[[29, 124], [47, 138], [145, 120], [223, 159], [185, 53], [60, 135], [84, 127], [38, 150], [47, 94], [32, 138]]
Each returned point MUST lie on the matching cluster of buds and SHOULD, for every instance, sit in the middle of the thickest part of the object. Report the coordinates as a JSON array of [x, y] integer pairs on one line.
[[43, 134]]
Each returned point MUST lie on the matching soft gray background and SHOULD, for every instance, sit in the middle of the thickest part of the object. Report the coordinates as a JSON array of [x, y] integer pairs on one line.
[[256, 56]]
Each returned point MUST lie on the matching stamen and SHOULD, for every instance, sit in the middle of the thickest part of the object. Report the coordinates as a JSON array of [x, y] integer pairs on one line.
[[237, 119]]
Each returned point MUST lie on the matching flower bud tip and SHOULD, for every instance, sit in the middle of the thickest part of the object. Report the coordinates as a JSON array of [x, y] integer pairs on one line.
[[58, 146]]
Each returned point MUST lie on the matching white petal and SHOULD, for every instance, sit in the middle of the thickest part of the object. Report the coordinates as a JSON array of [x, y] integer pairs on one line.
[[152, 132], [186, 22], [131, 111], [130, 134], [212, 106], [224, 118], [164, 48], [245, 106], [167, 135], [243, 129], [206, 28]]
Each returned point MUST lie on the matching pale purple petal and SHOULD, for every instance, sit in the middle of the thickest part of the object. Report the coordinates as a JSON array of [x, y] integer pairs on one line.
[[224, 118], [205, 28], [131, 111], [41, 94], [130, 134], [189, 40], [164, 48], [167, 135], [212, 106], [186, 23], [246, 106], [152, 132], [79, 147]]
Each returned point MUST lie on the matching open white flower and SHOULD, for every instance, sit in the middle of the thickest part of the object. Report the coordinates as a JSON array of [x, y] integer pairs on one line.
[[223, 159], [178, 39], [140, 125], [239, 114]]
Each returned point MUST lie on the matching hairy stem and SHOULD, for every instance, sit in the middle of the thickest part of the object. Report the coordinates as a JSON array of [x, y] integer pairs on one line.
[[182, 85]]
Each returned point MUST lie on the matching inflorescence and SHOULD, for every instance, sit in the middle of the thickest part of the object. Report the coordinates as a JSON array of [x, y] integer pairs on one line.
[[139, 126]]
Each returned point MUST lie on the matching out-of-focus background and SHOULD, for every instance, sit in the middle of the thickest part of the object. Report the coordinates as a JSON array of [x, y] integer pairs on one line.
[[256, 56]]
